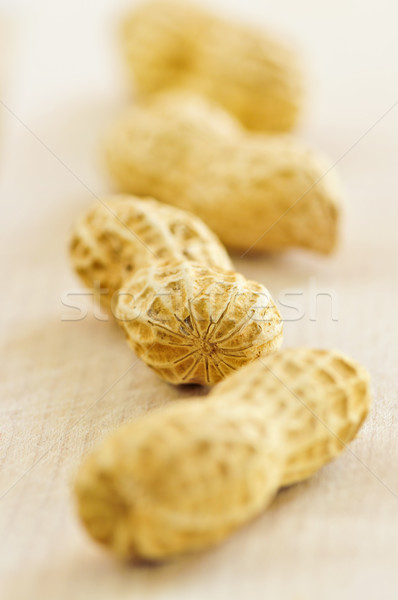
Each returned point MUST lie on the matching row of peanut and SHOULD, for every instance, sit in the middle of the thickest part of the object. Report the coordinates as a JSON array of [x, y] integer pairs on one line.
[[183, 478]]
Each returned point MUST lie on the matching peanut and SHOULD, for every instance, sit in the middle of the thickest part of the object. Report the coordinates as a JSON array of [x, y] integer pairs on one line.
[[188, 319], [183, 478], [169, 44], [120, 235], [194, 324], [254, 191]]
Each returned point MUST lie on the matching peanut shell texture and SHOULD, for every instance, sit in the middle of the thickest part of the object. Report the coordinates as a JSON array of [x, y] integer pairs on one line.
[[258, 193], [170, 44], [170, 283], [185, 477]]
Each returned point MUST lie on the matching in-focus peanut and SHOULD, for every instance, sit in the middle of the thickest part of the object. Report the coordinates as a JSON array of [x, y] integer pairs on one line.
[[184, 311]]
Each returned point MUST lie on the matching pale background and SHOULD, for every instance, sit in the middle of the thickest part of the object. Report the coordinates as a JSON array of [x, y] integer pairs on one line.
[[65, 384]]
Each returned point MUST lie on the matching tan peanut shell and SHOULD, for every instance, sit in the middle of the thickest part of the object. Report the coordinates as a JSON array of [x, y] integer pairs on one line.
[[322, 397], [169, 44], [194, 324], [120, 235], [171, 285], [183, 478], [256, 192]]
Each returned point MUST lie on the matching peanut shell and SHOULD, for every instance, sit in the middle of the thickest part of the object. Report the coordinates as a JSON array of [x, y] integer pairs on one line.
[[120, 235], [183, 478], [170, 44], [256, 192], [194, 324], [182, 308]]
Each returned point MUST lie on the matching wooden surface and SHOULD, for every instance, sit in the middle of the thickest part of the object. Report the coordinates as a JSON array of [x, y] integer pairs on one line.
[[65, 382]]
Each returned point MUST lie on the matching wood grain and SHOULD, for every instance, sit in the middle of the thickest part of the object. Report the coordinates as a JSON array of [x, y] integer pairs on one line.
[[64, 384]]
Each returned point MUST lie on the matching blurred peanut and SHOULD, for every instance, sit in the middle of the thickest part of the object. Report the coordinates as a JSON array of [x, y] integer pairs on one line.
[[171, 44], [183, 478], [256, 192]]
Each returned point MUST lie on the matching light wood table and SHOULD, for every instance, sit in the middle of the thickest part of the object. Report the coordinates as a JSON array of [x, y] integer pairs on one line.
[[65, 383]]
